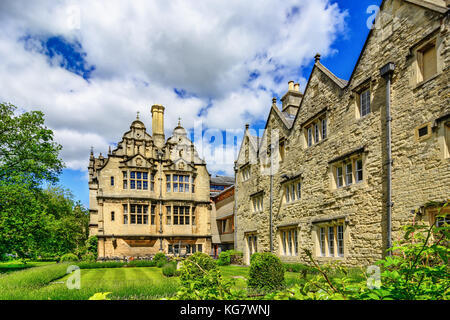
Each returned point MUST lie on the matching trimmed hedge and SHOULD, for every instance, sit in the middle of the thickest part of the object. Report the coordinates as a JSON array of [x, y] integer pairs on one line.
[[266, 272], [228, 257], [160, 259], [69, 257], [170, 269]]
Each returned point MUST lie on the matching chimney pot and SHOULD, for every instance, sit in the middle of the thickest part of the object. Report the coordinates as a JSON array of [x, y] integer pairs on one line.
[[296, 87], [291, 85]]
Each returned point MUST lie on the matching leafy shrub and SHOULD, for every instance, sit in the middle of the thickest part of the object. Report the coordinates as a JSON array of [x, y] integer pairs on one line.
[[224, 258], [88, 257], [266, 272], [170, 270], [68, 257], [202, 280], [91, 245], [160, 259], [228, 257], [194, 269]]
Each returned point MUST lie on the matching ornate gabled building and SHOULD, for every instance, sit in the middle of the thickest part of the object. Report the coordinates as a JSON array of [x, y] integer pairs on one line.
[[150, 195], [345, 165]]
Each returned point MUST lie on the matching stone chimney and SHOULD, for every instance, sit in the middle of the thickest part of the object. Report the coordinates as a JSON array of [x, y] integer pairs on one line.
[[291, 100], [158, 125]]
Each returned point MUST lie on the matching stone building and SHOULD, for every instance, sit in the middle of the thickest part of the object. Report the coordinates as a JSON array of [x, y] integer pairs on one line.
[[222, 219], [345, 164], [150, 195]]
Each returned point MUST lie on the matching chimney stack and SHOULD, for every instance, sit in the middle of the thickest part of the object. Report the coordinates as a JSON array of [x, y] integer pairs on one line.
[[158, 125], [292, 98]]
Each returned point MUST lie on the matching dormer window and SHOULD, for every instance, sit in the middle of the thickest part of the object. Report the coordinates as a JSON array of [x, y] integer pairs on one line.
[[364, 103], [316, 130]]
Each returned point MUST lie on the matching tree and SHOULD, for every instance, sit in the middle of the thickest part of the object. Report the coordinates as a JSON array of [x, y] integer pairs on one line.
[[27, 148], [21, 219], [28, 157], [66, 223]]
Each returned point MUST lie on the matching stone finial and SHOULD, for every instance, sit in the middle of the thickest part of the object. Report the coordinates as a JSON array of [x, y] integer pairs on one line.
[[109, 149], [317, 57], [137, 115], [247, 126], [179, 121], [274, 101]]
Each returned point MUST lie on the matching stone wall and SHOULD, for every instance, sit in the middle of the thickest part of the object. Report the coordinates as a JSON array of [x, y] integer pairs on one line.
[[420, 172]]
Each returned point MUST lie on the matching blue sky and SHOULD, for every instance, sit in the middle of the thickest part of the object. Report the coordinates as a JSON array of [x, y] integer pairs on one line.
[[91, 67]]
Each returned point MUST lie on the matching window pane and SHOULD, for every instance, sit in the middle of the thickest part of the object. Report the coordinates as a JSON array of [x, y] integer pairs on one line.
[[322, 242], [324, 128], [348, 174], [145, 175], [331, 241], [132, 174], [138, 175], [359, 171], [132, 184], [340, 239], [339, 181]]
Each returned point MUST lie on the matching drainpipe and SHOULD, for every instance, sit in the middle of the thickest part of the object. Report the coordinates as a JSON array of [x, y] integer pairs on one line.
[[271, 199], [235, 206], [160, 155], [386, 72]]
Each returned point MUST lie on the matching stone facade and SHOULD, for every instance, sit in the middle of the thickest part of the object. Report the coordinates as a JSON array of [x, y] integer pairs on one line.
[[328, 191], [150, 195], [222, 214]]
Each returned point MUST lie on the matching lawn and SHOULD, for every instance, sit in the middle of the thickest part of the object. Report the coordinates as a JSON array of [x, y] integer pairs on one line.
[[15, 265], [49, 282]]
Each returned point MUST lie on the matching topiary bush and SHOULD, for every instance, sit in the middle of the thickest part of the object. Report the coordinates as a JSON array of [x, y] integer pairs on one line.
[[266, 272], [224, 258], [170, 269], [160, 259], [196, 269], [69, 257]]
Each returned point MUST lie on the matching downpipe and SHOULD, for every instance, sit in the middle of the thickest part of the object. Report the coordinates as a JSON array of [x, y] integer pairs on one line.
[[386, 72]]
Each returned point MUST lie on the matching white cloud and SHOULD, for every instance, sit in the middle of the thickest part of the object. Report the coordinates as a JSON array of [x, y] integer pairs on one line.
[[142, 50]]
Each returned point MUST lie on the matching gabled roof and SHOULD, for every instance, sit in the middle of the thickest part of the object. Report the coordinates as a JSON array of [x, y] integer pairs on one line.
[[340, 82], [420, 3], [428, 5]]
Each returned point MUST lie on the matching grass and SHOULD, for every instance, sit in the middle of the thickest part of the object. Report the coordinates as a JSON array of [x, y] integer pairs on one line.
[[16, 265], [48, 282]]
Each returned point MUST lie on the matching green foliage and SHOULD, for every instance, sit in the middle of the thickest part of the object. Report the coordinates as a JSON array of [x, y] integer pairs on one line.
[[227, 257], [160, 259], [195, 267], [88, 257], [224, 258], [92, 245], [142, 263], [100, 296], [66, 224], [22, 222], [202, 280], [416, 270], [170, 269], [266, 272], [27, 148], [68, 257]]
